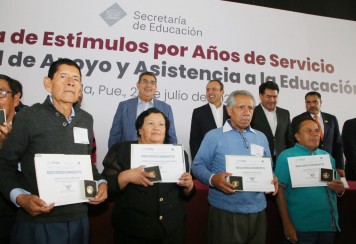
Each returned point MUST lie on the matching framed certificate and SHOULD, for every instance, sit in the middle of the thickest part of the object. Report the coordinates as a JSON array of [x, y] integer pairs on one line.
[[168, 158], [60, 177], [305, 171], [256, 172]]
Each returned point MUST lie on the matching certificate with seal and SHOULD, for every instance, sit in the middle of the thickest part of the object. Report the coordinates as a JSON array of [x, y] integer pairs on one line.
[[256, 172], [60, 177], [305, 170], [168, 157]]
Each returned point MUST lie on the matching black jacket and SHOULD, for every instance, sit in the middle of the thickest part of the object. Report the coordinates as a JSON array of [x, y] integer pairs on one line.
[[138, 210]]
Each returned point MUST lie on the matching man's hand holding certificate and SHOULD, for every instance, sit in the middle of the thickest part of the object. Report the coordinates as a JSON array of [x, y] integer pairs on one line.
[[254, 173], [60, 178], [309, 171], [165, 161]]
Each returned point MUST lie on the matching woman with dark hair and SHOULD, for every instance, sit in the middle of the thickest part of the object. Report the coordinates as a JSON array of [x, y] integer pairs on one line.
[[145, 212]]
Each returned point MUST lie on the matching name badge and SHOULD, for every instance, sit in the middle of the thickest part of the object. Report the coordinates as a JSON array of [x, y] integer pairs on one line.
[[256, 150], [80, 135]]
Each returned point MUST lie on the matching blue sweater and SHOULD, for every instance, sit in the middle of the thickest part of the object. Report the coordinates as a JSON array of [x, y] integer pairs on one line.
[[210, 160]]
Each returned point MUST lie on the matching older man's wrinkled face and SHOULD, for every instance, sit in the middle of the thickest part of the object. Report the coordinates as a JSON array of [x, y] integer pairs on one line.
[[241, 113], [65, 87], [308, 134], [8, 101]]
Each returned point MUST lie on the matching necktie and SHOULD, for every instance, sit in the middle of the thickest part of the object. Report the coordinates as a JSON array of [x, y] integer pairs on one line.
[[321, 131]]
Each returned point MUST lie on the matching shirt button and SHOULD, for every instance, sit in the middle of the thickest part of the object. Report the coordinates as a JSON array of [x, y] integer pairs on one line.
[[161, 199], [64, 123], [57, 114], [161, 217]]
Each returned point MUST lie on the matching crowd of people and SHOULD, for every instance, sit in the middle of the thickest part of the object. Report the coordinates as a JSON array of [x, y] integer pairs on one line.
[[147, 212]]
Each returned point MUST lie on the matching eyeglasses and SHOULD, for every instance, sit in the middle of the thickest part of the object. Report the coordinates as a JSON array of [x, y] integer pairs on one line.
[[3, 93], [244, 139], [146, 82]]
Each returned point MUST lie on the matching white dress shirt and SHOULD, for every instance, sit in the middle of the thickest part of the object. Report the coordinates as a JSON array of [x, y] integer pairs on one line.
[[218, 114]]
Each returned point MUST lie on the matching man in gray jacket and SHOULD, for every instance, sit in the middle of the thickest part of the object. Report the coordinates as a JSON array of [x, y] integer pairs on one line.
[[49, 128]]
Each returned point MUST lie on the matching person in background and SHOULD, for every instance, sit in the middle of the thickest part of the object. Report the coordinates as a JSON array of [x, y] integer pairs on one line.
[[209, 116], [145, 212], [123, 125], [349, 142], [330, 138], [20, 106], [273, 121], [9, 99]]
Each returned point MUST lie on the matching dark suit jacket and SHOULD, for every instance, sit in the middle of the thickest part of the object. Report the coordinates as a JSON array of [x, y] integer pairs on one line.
[[349, 140], [202, 122], [7, 215], [332, 142], [283, 138]]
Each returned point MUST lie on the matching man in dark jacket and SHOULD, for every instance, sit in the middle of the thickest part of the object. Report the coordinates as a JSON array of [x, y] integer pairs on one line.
[[53, 127]]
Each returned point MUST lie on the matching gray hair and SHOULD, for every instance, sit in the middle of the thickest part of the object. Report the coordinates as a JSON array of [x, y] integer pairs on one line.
[[230, 102]]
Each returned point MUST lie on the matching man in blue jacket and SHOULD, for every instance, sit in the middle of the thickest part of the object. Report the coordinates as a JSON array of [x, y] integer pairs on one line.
[[123, 125]]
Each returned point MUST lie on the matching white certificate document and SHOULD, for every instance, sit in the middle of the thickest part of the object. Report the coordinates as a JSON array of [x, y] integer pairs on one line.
[[256, 172], [169, 158], [305, 170], [60, 177]]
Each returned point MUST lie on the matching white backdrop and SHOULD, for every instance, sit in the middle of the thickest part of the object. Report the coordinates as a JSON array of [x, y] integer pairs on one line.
[[186, 43]]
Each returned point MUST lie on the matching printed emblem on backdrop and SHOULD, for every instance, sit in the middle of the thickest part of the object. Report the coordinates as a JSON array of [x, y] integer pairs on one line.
[[113, 14]]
